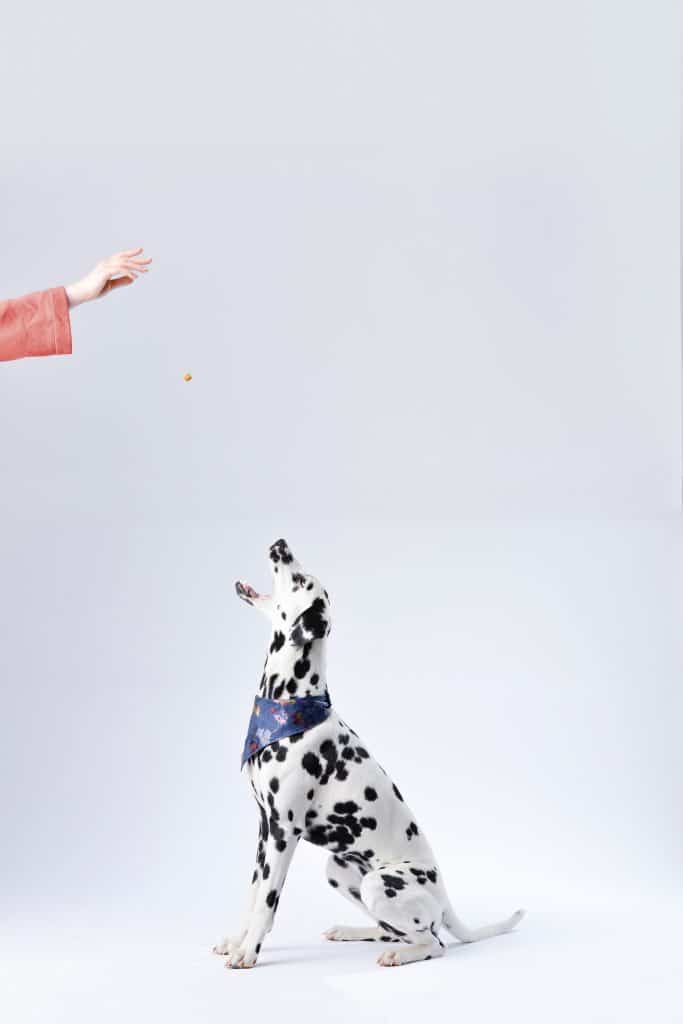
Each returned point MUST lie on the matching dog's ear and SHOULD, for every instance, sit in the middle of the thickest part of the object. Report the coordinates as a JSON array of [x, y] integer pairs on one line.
[[312, 624]]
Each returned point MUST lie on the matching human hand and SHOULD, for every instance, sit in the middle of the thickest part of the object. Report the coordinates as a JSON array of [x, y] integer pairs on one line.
[[114, 272]]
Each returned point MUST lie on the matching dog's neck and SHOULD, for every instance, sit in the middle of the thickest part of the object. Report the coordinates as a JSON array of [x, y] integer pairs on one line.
[[292, 671]]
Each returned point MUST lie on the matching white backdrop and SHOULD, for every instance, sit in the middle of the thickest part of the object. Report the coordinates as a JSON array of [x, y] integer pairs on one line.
[[422, 263]]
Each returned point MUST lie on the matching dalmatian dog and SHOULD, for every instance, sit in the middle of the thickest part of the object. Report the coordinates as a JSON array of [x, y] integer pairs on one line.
[[323, 785]]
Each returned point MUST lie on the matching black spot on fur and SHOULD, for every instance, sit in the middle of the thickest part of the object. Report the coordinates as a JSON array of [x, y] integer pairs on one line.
[[274, 785], [390, 928], [329, 751], [397, 792], [370, 793], [394, 882], [301, 667], [271, 898], [277, 642], [274, 827], [311, 763], [333, 882]]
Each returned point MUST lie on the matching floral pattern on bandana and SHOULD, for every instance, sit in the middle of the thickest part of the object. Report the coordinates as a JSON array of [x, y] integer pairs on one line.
[[273, 720]]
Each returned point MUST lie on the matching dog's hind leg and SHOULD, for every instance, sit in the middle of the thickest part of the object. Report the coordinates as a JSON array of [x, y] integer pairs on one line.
[[347, 933], [345, 875], [406, 908]]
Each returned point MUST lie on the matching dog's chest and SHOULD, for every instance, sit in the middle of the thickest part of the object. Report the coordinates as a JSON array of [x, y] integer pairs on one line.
[[325, 786]]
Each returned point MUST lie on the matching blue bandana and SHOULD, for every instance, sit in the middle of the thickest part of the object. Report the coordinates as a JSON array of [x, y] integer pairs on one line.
[[273, 720]]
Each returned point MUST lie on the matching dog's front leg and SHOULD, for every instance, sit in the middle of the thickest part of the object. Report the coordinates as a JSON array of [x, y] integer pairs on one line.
[[232, 942], [279, 852]]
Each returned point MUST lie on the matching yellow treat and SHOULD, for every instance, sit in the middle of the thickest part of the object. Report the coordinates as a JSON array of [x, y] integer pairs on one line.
[[188, 376]]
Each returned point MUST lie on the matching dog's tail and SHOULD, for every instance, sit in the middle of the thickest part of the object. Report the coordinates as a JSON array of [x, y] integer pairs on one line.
[[460, 931]]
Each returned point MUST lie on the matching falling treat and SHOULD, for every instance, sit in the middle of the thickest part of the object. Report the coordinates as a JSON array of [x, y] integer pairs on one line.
[[188, 376]]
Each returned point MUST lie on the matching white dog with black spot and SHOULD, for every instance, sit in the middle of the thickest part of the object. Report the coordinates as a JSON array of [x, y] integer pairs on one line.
[[313, 779]]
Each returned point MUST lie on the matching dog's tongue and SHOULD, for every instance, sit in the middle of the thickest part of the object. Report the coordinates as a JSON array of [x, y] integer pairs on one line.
[[246, 591]]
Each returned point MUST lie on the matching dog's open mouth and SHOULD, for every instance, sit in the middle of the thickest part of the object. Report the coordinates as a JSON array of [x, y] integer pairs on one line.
[[246, 592]]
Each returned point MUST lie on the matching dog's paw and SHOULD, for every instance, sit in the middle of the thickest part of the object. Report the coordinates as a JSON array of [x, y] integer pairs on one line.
[[242, 957], [225, 947], [410, 954], [336, 933], [391, 958]]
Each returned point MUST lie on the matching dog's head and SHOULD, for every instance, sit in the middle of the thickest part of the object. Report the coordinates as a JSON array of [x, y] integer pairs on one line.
[[299, 606]]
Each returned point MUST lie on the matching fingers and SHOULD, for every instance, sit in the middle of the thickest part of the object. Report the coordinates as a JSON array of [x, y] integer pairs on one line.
[[137, 263], [121, 270], [130, 265], [129, 259]]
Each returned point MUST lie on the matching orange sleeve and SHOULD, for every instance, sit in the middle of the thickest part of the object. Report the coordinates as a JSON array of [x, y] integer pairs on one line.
[[35, 325]]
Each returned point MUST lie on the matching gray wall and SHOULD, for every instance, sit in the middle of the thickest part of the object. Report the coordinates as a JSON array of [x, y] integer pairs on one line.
[[421, 261]]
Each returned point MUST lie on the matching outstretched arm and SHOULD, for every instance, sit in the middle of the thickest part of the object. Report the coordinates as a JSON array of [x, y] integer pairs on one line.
[[39, 324]]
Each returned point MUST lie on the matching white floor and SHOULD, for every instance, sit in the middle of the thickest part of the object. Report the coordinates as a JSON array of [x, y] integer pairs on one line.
[[568, 966]]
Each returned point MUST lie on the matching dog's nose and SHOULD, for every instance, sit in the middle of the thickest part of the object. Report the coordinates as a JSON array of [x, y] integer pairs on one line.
[[279, 552]]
